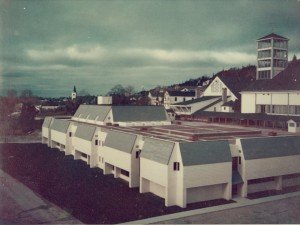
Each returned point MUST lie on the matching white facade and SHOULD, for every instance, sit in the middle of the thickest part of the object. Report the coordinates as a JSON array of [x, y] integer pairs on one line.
[[104, 100], [216, 87], [170, 100], [271, 102], [293, 126], [179, 179]]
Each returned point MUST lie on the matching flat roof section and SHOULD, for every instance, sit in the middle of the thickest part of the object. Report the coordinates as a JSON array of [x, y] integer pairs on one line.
[[190, 131]]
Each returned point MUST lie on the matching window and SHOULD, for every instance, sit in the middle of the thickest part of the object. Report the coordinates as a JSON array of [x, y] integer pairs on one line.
[[70, 134], [240, 160], [291, 124], [84, 155], [125, 173], [266, 74], [176, 166], [175, 99], [184, 99], [99, 158], [261, 180], [137, 154], [96, 142]]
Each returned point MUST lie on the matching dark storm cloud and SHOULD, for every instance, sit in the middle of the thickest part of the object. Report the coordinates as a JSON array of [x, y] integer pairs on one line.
[[144, 43]]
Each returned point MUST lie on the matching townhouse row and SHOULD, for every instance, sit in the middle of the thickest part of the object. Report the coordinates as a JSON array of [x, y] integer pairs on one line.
[[180, 172]]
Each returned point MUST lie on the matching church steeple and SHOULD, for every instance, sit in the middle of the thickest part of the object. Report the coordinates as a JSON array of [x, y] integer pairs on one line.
[[74, 93]]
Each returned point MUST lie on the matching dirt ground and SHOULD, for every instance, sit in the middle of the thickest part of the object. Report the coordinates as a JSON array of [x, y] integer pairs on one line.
[[83, 192]]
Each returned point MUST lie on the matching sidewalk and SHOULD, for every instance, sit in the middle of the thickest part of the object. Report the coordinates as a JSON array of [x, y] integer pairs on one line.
[[19, 204], [240, 202]]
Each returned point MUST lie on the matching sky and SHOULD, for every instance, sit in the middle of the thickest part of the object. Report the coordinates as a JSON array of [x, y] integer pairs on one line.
[[49, 46]]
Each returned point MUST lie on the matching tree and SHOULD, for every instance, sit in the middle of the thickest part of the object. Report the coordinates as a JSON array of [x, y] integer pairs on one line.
[[129, 90], [26, 119], [26, 93], [117, 90], [294, 58]]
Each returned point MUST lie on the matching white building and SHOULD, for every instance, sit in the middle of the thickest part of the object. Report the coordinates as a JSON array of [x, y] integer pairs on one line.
[[120, 155], [272, 56], [184, 173], [180, 172], [277, 96], [104, 100], [122, 115], [172, 97], [268, 163]]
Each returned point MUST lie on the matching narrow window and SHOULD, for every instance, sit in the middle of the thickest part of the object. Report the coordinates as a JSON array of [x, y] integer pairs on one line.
[[70, 134], [240, 160], [175, 99], [137, 154], [125, 173], [96, 142], [176, 166]]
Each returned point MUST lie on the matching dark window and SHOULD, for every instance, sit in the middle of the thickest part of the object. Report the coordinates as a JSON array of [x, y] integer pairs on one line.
[[137, 154], [234, 163], [240, 160], [125, 173], [176, 166], [175, 99], [261, 180], [70, 134], [184, 99], [84, 155], [96, 142]]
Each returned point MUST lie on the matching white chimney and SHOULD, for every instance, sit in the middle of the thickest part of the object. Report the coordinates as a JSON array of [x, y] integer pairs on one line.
[[224, 95]]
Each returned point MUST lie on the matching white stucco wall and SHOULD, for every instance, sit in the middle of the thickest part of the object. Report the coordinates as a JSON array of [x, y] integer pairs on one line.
[[248, 103], [209, 174], [58, 137], [269, 167]]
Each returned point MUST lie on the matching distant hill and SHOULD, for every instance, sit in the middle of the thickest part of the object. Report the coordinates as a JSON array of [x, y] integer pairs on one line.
[[247, 72]]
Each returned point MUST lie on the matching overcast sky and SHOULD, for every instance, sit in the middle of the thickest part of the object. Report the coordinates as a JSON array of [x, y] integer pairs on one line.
[[48, 46]]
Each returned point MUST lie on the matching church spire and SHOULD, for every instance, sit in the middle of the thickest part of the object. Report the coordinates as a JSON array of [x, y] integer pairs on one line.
[[74, 89]]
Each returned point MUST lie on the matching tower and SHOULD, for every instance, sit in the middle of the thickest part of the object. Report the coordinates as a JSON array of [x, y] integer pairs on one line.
[[74, 93], [272, 56]]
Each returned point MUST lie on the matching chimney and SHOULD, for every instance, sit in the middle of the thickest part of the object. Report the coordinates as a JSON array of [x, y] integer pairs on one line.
[[224, 95]]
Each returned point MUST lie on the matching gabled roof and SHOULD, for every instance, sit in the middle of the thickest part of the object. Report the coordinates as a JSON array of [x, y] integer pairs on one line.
[[182, 93], [269, 147], [288, 79], [91, 112], [47, 121], [60, 125], [120, 140], [204, 152], [272, 35], [197, 100], [139, 113], [85, 132], [158, 151], [236, 82]]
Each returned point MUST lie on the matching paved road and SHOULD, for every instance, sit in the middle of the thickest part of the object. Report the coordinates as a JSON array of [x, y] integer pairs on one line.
[[284, 211], [18, 204]]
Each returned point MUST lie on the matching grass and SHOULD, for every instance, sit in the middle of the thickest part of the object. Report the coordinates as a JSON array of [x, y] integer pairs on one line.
[[86, 193]]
